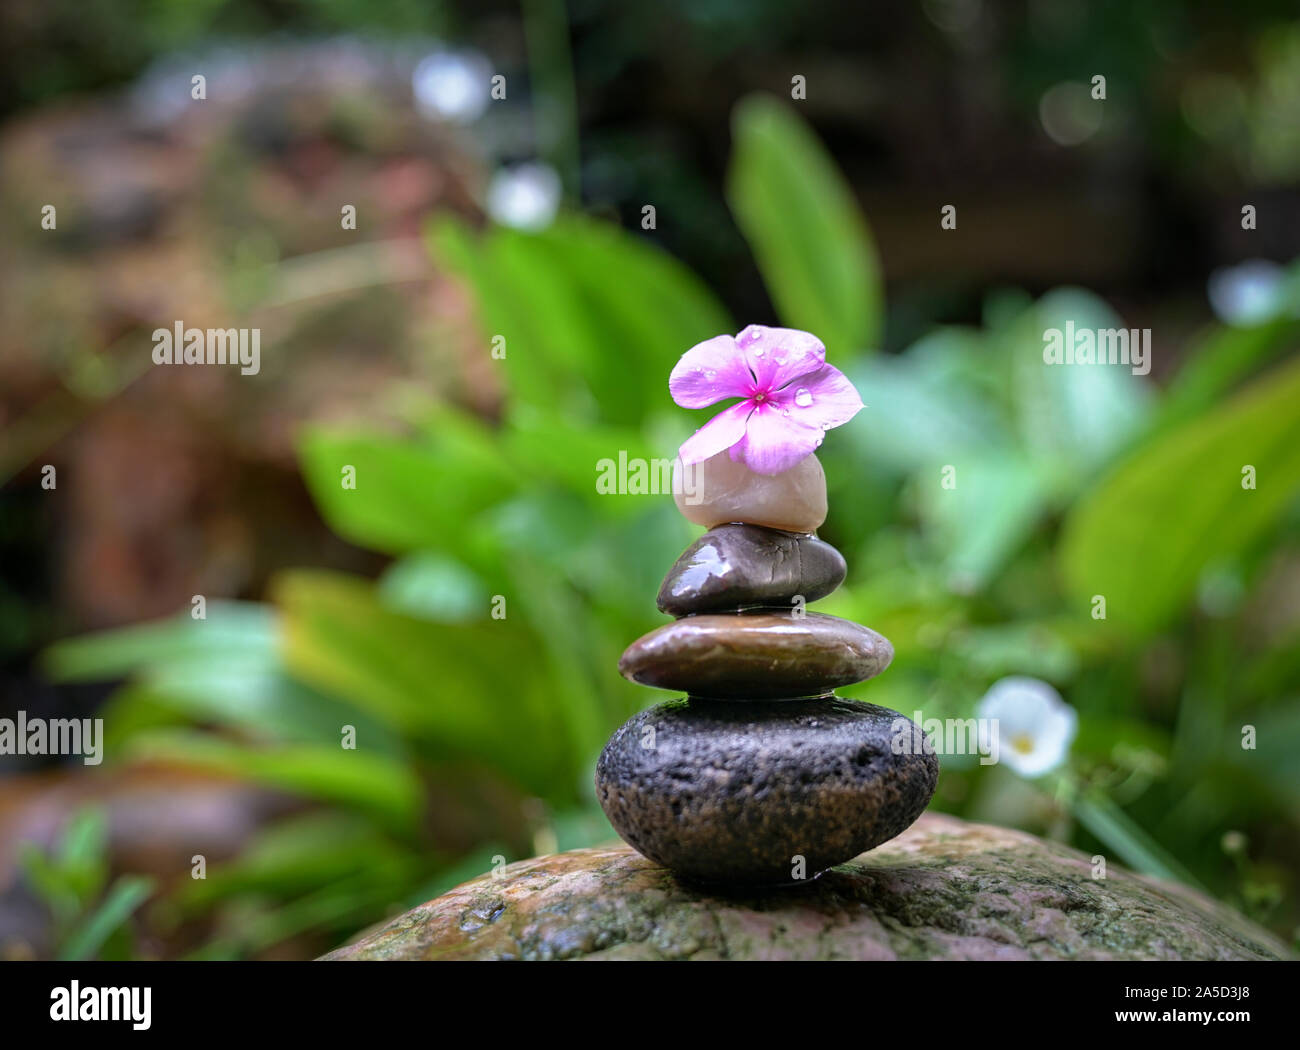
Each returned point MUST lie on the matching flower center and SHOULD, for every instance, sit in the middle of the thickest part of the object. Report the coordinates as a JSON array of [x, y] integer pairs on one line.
[[1023, 743], [760, 397]]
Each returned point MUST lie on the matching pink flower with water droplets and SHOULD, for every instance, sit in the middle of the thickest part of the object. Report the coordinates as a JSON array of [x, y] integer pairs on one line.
[[790, 397]]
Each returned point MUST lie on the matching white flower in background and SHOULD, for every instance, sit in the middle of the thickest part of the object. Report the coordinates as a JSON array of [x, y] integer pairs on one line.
[[1034, 727], [453, 85], [1248, 293], [525, 197]]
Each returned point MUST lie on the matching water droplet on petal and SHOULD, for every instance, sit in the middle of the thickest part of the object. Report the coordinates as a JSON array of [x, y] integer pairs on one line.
[[802, 398], [758, 351], [780, 360], [710, 374]]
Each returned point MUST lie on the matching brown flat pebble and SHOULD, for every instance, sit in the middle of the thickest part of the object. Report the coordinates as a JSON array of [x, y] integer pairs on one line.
[[756, 656]]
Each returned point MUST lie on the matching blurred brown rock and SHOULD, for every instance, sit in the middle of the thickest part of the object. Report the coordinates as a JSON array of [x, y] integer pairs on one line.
[[225, 212]]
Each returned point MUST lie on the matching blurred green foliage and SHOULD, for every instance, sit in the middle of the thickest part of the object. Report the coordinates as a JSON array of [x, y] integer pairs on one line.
[[1070, 482], [90, 917], [798, 214]]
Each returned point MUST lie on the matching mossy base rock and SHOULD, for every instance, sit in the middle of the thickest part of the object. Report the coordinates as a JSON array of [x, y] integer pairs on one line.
[[765, 793], [944, 889]]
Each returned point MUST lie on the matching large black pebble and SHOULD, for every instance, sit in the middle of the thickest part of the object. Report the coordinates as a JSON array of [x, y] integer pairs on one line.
[[725, 792]]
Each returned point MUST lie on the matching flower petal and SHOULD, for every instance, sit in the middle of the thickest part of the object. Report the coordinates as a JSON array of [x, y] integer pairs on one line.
[[709, 372], [774, 442], [823, 400], [777, 356], [720, 432], [1019, 706]]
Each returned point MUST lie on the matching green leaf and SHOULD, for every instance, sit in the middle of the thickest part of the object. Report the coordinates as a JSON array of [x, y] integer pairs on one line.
[[49, 882], [550, 331], [593, 318], [1222, 358], [989, 512], [255, 925], [557, 618], [807, 233], [225, 669], [124, 897], [411, 493], [922, 404], [1105, 738], [435, 587], [372, 782], [302, 853], [1135, 847], [1021, 647], [83, 841], [475, 689], [524, 298], [76, 870], [1143, 536], [1275, 760], [245, 629], [264, 703], [645, 307], [134, 709], [1076, 416], [576, 456]]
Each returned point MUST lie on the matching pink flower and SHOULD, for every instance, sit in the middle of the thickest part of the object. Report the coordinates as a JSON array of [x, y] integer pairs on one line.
[[791, 397]]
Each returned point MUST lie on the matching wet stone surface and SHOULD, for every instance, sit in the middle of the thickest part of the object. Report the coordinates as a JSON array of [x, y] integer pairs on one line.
[[943, 889], [735, 566], [720, 490], [756, 656], [763, 793]]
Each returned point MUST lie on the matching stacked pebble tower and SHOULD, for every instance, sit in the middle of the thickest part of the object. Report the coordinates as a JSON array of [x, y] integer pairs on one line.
[[760, 774]]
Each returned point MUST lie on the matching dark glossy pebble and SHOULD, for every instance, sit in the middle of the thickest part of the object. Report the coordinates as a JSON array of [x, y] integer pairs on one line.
[[756, 656], [733, 566], [764, 792]]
